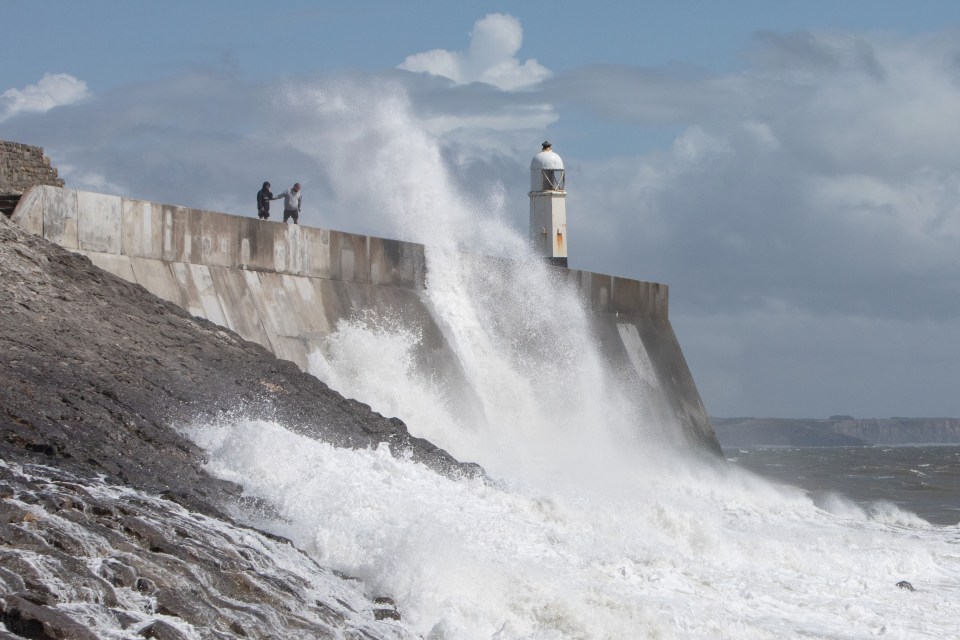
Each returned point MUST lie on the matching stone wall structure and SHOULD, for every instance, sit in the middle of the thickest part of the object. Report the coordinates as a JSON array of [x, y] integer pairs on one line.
[[287, 287], [22, 166]]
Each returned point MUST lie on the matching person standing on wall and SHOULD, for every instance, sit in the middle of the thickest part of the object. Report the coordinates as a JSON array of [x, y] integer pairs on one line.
[[291, 203], [264, 196]]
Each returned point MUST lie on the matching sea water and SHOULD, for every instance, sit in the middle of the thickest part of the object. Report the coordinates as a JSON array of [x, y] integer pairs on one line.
[[594, 522], [924, 479]]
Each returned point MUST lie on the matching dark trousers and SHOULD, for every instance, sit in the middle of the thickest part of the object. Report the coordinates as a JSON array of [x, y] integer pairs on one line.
[[263, 215], [291, 213]]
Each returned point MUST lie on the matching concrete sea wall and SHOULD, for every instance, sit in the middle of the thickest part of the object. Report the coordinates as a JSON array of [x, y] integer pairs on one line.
[[287, 286]]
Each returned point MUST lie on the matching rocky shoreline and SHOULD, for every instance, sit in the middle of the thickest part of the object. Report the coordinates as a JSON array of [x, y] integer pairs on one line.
[[95, 373]]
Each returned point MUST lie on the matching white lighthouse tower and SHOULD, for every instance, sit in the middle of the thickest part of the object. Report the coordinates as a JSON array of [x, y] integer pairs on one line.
[[548, 209]]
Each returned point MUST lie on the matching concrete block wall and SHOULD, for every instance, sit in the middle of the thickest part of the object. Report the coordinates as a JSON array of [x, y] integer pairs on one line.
[[287, 286]]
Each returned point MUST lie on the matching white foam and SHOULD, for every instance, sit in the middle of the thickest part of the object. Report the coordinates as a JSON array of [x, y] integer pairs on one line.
[[599, 528], [700, 553]]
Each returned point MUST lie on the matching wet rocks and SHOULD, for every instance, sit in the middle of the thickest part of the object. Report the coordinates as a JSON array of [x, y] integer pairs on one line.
[[386, 609], [210, 578], [30, 620]]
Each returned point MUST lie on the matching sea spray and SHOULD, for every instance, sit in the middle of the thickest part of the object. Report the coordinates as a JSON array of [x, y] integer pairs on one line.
[[598, 527], [541, 394], [374, 357]]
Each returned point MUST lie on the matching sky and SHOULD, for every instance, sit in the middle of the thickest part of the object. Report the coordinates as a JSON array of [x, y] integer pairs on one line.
[[790, 170]]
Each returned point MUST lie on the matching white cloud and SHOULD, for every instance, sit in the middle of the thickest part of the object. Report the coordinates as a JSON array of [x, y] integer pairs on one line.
[[438, 62], [90, 181], [490, 59], [697, 147], [53, 90], [536, 118], [824, 172], [763, 134]]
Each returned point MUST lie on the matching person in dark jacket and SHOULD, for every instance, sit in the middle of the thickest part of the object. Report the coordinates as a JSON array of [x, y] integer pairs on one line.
[[264, 196]]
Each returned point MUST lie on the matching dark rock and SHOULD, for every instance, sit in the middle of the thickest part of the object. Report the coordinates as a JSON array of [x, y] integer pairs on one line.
[[28, 575], [145, 586], [10, 581], [30, 620], [161, 630], [386, 609], [41, 599], [62, 541], [386, 614], [125, 620], [117, 573], [18, 535], [903, 584], [149, 534], [191, 606]]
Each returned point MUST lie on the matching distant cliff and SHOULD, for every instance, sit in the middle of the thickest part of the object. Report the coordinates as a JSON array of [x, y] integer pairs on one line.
[[901, 430], [836, 431]]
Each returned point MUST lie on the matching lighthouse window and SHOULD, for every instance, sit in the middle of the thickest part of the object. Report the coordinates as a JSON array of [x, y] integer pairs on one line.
[[553, 179]]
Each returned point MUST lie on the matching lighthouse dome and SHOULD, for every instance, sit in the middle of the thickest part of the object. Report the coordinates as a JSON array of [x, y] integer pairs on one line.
[[546, 172], [546, 160]]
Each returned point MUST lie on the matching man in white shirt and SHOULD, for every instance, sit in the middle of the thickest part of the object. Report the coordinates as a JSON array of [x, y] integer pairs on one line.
[[291, 203]]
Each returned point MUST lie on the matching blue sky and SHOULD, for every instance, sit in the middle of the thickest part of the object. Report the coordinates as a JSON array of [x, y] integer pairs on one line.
[[791, 170]]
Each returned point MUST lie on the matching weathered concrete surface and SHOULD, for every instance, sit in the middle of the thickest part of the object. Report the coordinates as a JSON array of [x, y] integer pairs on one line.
[[286, 286]]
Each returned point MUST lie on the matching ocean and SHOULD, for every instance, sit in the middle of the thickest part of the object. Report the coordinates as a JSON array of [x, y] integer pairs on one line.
[[595, 522], [921, 479]]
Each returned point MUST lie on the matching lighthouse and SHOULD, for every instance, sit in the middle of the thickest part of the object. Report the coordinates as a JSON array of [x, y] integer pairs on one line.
[[548, 209]]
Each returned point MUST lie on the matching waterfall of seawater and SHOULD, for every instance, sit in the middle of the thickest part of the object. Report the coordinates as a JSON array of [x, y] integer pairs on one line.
[[545, 407], [597, 526]]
